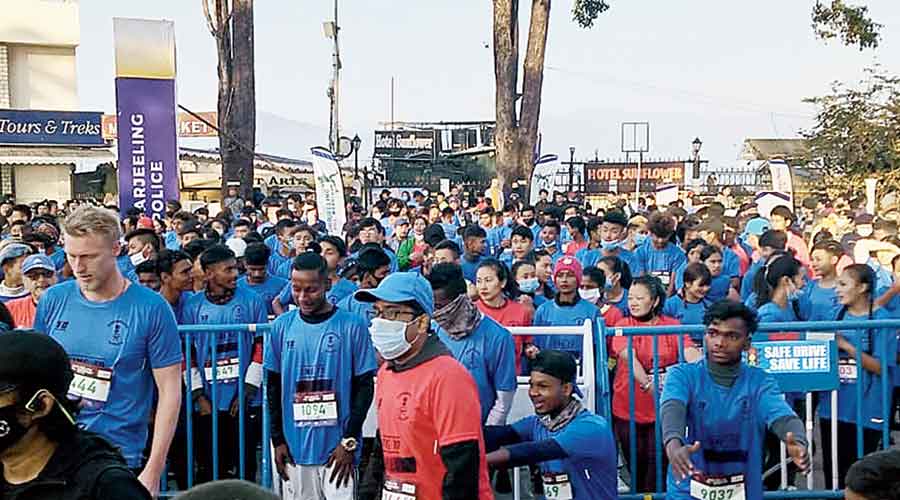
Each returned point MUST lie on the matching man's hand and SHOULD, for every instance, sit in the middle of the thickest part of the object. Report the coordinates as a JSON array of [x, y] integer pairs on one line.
[[150, 479], [249, 393], [341, 464], [797, 452], [282, 460], [680, 458], [204, 407], [531, 351]]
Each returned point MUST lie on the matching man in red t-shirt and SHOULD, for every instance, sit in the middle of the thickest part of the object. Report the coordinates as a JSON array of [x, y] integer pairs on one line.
[[39, 274], [430, 436]]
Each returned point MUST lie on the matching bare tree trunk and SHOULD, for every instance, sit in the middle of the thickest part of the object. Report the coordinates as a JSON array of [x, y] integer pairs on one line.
[[506, 62], [532, 85], [231, 24], [516, 134], [242, 119]]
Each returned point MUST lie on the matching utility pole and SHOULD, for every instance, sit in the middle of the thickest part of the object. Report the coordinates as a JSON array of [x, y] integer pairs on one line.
[[334, 133]]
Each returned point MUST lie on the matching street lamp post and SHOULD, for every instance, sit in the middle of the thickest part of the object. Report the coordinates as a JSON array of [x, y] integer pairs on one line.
[[695, 148], [571, 167], [356, 143]]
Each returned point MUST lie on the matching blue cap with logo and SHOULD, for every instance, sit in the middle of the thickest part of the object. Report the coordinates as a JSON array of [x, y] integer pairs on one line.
[[401, 287], [37, 261]]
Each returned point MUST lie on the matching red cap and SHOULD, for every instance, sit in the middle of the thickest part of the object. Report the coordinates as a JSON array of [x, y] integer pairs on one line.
[[568, 263], [145, 222]]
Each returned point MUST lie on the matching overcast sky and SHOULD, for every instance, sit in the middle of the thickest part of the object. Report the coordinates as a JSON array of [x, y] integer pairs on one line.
[[719, 70]]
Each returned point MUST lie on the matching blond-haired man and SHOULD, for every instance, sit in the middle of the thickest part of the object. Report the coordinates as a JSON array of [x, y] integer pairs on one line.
[[122, 339]]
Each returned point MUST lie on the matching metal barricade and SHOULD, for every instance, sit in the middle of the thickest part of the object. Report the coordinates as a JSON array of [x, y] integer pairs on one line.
[[189, 333], [592, 365], [824, 330]]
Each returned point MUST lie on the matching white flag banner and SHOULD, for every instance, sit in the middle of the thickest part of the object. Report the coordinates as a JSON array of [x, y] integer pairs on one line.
[[666, 194], [329, 190], [767, 200], [781, 178], [542, 176]]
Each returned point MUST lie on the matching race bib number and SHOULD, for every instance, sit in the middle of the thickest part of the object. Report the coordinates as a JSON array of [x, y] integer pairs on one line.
[[398, 490], [847, 370], [90, 382], [718, 488], [315, 408], [227, 370], [663, 276], [557, 487]]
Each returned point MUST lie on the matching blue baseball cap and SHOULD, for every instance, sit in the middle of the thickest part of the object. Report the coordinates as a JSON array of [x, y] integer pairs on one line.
[[401, 287], [37, 261], [14, 251], [756, 227]]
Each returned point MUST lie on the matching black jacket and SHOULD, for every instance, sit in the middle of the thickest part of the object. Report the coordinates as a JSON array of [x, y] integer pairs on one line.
[[86, 467]]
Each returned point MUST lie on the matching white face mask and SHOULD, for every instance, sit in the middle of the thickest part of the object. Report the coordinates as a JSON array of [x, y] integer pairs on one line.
[[389, 337], [864, 230], [591, 295], [137, 258]]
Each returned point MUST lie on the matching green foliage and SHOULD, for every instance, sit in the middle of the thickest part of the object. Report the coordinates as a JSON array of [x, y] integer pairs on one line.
[[851, 24], [857, 130], [584, 12]]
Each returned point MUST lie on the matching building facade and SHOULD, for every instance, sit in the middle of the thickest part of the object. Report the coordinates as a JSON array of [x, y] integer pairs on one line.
[[39, 90]]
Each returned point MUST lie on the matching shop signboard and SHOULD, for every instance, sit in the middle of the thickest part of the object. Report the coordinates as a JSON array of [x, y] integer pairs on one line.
[[60, 128], [603, 177]]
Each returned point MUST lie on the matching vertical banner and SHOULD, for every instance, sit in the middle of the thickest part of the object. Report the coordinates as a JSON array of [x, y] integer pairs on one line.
[[146, 117], [329, 190], [542, 176], [781, 178]]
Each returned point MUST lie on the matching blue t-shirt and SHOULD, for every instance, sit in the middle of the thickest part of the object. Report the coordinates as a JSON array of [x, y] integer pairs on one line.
[[879, 343], [317, 359], [233, 355], [123, 262], [364, 310], [718, 287], [659, 263], [489, 354], [171, 241], [688, 313], [820, 304], [771, 312], [279, 265], [470, 268], [131, 335], [267, 291], [749, 278], [589, 258], [272, 242], [550, 313], [59, 259], [729, 422], [591, 449], [731, 264]]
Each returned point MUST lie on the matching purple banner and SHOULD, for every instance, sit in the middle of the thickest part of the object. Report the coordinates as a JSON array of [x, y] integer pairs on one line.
[[148, 151]]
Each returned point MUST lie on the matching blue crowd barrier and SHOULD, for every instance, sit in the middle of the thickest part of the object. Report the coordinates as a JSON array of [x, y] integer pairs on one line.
[[189, 332], [601, 403], [793, 327]]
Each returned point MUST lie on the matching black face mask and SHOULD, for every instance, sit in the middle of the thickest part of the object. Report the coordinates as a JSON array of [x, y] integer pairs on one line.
[[11, 430], [528, 222]]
